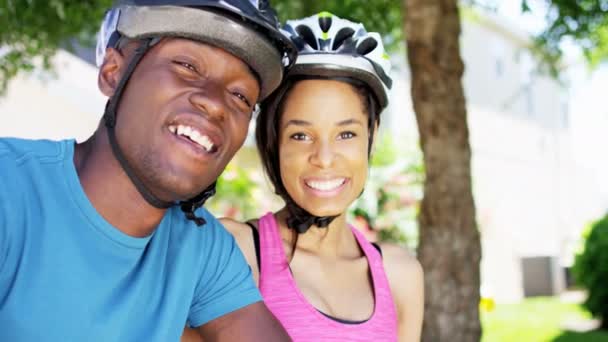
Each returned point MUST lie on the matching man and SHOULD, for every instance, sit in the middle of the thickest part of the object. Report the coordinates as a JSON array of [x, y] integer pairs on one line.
[[93, 244]]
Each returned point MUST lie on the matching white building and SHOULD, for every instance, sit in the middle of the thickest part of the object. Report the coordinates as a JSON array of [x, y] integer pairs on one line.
[[533, 194], [65, 103]]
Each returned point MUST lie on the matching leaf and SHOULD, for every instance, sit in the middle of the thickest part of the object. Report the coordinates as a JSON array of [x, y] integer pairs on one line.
[[525, 7]]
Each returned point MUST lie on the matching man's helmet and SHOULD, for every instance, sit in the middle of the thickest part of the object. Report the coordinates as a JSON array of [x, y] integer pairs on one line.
[[246, 28]]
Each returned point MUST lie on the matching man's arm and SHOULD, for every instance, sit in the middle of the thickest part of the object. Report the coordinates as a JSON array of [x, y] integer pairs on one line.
[[227, 306], [251, 323], [3, 225]]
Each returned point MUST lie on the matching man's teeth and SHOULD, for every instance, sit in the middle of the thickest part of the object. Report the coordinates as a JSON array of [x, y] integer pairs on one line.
[[326, 185], [192, 134]]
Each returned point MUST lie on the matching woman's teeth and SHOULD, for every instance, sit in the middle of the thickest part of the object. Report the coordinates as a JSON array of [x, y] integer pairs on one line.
[[192, 134], [326, 185]]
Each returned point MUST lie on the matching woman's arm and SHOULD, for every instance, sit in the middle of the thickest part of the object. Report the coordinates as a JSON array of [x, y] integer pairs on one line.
[[406, 280]]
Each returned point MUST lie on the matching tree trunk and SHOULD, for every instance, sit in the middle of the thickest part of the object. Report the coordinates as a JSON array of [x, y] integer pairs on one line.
[[449, 249], [604, 324]]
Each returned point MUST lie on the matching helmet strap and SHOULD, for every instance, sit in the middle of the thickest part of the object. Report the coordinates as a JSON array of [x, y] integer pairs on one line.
[[188, 207], [301, 220], [110, 120]]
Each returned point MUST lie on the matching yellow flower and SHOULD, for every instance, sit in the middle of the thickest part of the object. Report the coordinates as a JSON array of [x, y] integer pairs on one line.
[[487, 304]]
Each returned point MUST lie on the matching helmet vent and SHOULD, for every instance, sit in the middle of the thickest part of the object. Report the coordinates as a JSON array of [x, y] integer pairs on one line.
[[341, 36], [309, 37], [367, 46], [325, 23]]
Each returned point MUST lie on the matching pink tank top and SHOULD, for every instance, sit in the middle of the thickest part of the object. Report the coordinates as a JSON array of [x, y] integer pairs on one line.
[[302, 321]]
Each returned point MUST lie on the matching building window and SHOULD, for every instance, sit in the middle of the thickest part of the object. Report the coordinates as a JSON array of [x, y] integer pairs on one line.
[[499, 67], [529, 98], [565, 117]]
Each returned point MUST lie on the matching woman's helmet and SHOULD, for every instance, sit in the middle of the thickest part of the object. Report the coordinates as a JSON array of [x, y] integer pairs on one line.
[[329, 46]]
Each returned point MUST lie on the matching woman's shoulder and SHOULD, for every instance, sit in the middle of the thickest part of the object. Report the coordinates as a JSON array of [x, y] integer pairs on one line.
[[244, 236], [399, 256], [403, 270], [237, 228], [242, 232]]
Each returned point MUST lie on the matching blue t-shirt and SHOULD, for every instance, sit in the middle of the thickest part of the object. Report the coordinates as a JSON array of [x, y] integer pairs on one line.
[[66, 274]]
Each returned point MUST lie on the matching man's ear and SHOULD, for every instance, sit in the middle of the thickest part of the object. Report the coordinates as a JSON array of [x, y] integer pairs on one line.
[[111, 71]]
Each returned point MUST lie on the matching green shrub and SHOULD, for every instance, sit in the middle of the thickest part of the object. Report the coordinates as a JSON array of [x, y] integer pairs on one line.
[[591, 269]]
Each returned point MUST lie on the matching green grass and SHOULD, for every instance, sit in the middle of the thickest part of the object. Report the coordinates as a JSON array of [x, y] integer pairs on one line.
[[536, 320]]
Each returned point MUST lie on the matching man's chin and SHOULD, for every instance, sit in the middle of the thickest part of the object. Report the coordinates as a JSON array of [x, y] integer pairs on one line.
[[180, 193]]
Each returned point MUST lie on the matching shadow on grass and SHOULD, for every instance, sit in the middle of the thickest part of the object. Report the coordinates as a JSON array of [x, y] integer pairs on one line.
[[589, 336]]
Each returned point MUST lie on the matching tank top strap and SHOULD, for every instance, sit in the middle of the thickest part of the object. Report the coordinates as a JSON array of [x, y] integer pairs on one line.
[[385, 305], [374, 258], [272, 255]]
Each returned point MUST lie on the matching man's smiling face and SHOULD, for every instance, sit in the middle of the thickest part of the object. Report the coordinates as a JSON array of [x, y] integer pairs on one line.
[[184, 114]]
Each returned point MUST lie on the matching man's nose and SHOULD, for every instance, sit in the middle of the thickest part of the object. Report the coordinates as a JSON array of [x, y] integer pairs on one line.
[[211, 101]]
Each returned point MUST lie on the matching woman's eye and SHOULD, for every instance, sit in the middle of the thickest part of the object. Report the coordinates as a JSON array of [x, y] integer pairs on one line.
[[242, 98], [300, 136], [347, 135]]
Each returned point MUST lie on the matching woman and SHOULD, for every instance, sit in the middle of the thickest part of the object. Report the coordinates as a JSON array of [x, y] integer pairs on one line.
[[317, 274]]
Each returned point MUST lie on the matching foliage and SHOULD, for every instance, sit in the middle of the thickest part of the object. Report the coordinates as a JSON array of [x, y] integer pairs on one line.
[[585, 22], [32, 30], [234, 197], [389, 204], [591, 269], [383, 16], [536, 319], [384, 153]]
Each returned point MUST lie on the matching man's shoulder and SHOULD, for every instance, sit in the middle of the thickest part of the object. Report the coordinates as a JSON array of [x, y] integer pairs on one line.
[[15, 151], [26, 164], [210, 233], [207, 249]]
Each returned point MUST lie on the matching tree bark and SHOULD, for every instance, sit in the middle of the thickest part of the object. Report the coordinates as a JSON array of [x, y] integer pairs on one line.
[[449, 249]]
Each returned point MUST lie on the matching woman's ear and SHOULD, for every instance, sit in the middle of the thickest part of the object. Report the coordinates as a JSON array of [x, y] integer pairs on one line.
[[110, 71]]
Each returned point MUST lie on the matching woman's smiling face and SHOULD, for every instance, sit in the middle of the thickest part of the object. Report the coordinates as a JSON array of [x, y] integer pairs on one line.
[[323, 145]]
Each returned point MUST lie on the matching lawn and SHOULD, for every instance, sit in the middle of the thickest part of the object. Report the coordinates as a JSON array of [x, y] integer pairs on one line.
[[536, 320]]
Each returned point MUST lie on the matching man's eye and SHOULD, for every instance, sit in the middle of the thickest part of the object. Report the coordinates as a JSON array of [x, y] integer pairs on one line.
[[347, 135], [186, 65], [242, 98]]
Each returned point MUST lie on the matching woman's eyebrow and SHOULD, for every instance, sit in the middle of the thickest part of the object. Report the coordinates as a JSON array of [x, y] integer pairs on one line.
[[296, 122], [349, 122]]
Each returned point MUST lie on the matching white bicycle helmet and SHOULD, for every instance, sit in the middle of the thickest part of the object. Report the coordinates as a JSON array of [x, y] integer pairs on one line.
[[329, 46]]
